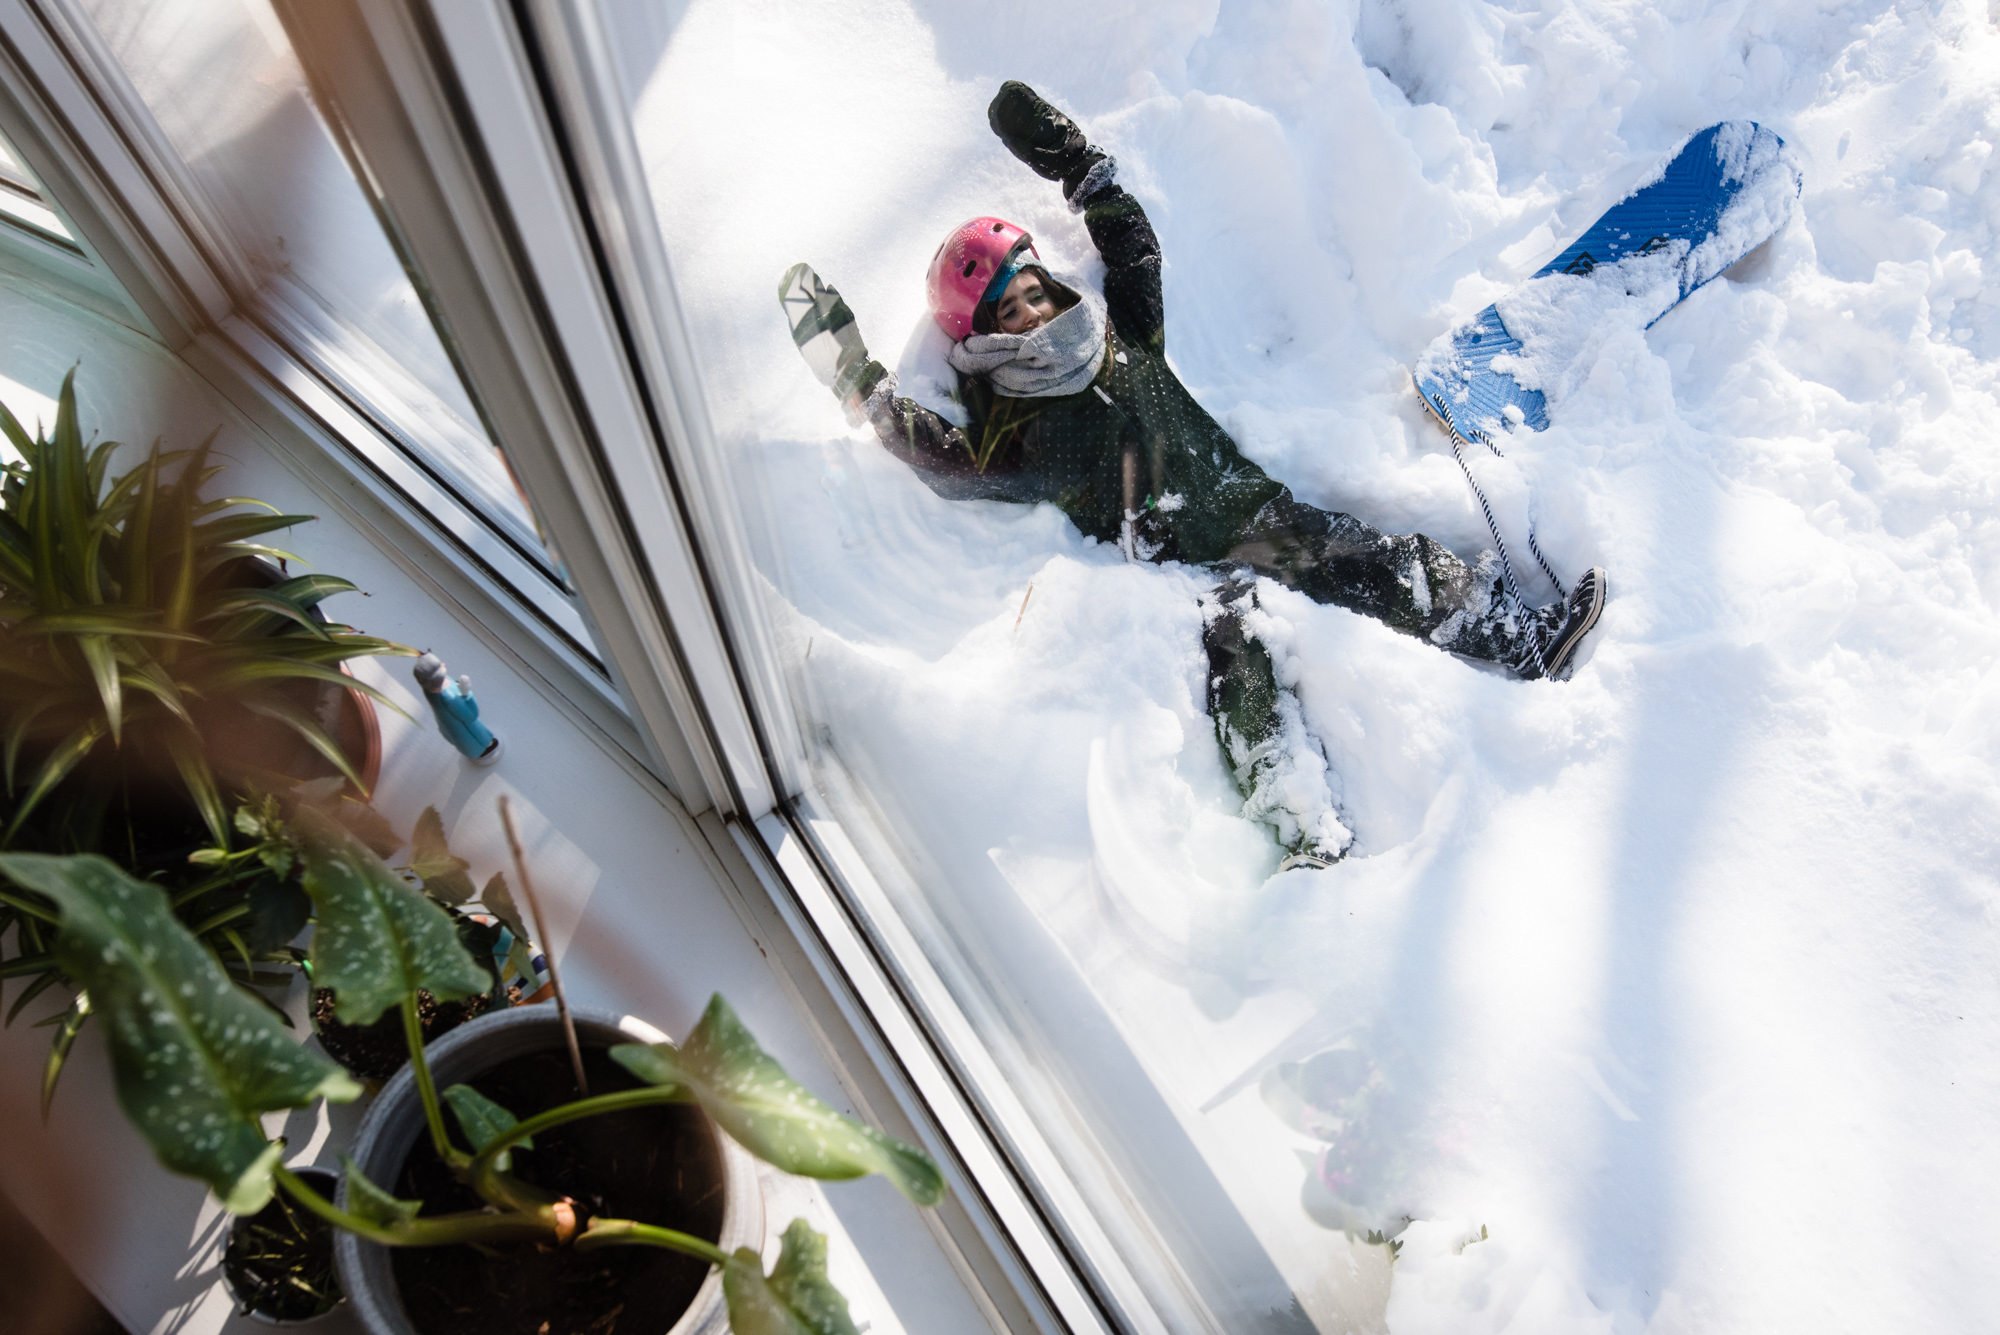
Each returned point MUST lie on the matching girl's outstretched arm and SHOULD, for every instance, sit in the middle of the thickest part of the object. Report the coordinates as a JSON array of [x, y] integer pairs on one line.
[[1051, 144], [826, 335], [1124, 237]]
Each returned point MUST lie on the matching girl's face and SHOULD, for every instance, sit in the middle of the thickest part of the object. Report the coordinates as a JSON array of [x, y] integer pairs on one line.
[[1026, 304]]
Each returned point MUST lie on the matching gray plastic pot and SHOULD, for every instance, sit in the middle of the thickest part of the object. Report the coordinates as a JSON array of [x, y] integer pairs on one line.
[[396, 1122]]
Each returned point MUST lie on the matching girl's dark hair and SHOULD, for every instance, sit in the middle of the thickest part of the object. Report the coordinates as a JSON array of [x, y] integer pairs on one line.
[[986, 315]]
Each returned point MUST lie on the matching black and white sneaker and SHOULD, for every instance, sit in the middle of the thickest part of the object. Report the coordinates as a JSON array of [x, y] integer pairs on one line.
[[1579, 616]]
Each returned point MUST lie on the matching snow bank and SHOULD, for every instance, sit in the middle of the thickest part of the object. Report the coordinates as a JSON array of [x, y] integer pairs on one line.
[[1673, 984]]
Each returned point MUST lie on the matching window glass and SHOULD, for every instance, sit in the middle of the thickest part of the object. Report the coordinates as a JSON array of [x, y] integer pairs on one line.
[[1016, 708], [1568, 1035], [296, 235], [23, 203]]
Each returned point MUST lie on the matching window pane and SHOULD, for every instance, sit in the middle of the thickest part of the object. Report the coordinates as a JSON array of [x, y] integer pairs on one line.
[[1624, 981], [303, 247], [22, 200], [1011, 704]]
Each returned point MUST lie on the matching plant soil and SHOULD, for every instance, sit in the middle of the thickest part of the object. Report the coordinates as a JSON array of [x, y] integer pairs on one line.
[[279, 1261], [659, 1165], [377, 1051]]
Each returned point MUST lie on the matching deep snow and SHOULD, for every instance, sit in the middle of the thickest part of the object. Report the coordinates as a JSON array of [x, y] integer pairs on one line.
[[1677, 979]]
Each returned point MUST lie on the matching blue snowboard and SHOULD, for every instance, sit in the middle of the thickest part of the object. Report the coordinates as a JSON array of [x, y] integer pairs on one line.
[[1726, 191]]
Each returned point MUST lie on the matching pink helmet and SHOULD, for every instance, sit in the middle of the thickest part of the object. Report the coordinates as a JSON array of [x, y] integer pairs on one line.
[[965, 266]]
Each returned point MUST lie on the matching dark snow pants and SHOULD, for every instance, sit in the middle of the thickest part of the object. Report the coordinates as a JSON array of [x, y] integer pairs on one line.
[[1406, 581]]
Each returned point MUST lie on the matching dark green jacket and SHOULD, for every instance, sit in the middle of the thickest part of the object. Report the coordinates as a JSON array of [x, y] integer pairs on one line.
[[1194, 492]]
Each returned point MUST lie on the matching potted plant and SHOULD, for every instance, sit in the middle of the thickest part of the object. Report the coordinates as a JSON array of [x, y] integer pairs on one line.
[[196, 1062], [488, 925], [154, 661], [268, 854], [278, 1263]]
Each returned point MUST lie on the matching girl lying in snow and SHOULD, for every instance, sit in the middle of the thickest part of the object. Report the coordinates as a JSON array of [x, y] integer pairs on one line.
[[1072, 401]]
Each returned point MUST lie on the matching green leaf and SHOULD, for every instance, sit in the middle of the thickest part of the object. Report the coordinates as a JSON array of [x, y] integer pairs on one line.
[[773, 1116], [521, 959], [279, 910], [192, 762], [96, 651], [337, 649], [100, 461], [149, 678], [17, 574], [235, 528], [497, 900], [72, 1025], [221, 503], [172, 544], [484, 1121], [60, 762], [21, 966], [17, 732], [306, 590], [378, 940], [263, 601], [35, 989], [238, 550], [135, 543], [443, 875], [280, 710], [102, 620], [796, 1298], [194, 1060], [70, 502], [368, 825], [248, 671], [16, 437], [370, 1202]]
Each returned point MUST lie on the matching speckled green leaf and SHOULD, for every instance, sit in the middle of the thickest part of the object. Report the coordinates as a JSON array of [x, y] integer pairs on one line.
[[483, 1121], [773, 1116], [195, 1060], [378, 939], [794, 1299]]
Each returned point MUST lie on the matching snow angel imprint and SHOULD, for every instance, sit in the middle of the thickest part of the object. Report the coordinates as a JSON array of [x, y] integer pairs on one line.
[[1071, 401]]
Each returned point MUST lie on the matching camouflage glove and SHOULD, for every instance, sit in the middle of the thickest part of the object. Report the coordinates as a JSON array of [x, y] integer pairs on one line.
[[824, 331], [1039, 135]]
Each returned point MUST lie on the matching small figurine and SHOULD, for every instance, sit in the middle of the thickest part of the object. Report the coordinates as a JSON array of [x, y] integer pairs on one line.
[[457, 712]]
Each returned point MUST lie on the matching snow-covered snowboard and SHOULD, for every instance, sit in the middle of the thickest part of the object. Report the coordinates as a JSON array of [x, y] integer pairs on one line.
[[1727, 190]]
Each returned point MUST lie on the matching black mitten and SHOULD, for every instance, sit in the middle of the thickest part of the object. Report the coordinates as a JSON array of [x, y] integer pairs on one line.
[[1039, 135]]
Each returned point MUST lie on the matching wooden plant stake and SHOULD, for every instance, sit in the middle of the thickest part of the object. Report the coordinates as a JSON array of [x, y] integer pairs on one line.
[[548, 947], [1024, 605]]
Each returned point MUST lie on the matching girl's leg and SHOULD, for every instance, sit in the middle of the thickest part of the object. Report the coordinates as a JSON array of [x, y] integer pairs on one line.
[[1406, 581], [1278, 765]]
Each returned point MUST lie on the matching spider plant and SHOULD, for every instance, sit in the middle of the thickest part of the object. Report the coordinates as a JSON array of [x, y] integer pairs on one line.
[[127, 631]]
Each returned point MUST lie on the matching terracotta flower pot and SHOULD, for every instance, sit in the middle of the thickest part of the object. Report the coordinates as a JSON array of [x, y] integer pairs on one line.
[[245, 743], [359, 732]]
